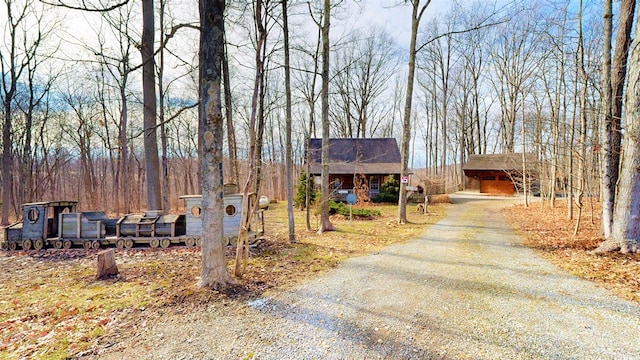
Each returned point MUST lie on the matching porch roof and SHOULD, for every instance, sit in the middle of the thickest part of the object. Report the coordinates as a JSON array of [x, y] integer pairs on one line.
[[358, 168]]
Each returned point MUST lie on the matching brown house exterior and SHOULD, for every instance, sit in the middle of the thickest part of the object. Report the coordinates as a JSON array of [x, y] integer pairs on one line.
[[376, 159], [497, 174]]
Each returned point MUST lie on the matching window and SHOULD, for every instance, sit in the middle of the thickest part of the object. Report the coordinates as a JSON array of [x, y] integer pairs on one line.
[[374, 183], [33, 214], [196, 211], [230, 210]]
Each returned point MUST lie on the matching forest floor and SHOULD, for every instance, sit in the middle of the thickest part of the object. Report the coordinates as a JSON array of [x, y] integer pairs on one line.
[[52, 307], [551, 233]]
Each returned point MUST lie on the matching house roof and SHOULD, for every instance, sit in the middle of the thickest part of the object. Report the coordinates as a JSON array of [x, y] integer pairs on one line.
[[356, 155], [504, 162]]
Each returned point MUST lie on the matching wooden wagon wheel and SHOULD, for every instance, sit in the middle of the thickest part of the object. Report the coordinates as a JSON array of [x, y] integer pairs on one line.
[[165, 243], [5, 246], [154, 243], [190, 242], [13, 245], [95, 244], [26, 244], [199, 241], [57, 244], [128, 243], [120, 244], [233, 241], [38, 244], [67, 244], [86, 245]]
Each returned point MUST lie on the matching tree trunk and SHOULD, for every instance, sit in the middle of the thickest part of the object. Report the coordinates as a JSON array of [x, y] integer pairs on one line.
[[613, 85], [289, 155], [625, 230], [254, 145], [406, 119], [228, 108], [163, 130], [214, 265], [7, 162], [151, 161], [325, 222]]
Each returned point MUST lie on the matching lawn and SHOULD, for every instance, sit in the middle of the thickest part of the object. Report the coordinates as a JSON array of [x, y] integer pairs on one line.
[[52, 307]]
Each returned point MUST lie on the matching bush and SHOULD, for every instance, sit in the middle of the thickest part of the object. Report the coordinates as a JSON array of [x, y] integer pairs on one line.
[[389, 191], [343, 209]]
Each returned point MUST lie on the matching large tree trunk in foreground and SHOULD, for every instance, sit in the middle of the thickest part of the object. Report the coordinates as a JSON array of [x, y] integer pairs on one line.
[[151, 161], [613, 80], [214, 264], [625, 231]]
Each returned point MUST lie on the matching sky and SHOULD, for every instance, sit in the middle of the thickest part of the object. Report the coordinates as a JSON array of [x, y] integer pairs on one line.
[[395, 18]]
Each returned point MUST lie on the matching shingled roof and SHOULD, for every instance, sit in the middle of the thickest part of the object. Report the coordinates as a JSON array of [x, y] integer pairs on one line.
[[505, 162], [356, 155]]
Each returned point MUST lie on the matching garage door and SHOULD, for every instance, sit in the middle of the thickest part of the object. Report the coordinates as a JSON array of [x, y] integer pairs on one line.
[[498, 187]]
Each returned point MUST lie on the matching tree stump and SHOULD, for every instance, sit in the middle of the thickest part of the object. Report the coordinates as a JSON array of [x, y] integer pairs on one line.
[[106, 264]]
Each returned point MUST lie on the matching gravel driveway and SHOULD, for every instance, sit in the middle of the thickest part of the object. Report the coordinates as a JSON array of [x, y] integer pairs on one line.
[[466, 289]]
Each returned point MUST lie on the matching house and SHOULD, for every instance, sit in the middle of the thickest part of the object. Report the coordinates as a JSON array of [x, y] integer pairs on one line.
[[349, 159], [498, 174]]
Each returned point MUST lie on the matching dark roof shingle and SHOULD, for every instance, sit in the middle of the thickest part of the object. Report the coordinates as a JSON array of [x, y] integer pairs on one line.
[[366, 156], [507, 162]]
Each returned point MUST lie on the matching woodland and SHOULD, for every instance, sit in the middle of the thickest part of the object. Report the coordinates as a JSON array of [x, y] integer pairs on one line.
[[125, 107]]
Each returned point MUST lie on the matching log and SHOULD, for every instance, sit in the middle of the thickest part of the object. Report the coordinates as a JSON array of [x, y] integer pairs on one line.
[[106, 264]]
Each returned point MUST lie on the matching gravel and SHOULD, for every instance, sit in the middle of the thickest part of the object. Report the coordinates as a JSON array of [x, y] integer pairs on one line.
[[466, 289]]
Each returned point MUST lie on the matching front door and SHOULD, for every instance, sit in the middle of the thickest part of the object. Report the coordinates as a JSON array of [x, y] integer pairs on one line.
[[374, 186]]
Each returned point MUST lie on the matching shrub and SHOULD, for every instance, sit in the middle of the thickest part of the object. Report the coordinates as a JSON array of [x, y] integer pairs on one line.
[[343, 209], [389, 191], [439, 199]]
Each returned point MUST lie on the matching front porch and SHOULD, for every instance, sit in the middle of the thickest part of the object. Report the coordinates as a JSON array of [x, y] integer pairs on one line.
[[343, 185]]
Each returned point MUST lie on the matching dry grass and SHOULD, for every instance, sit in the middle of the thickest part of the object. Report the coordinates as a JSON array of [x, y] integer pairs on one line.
[[550, 232], [439, 199], [52, 307]]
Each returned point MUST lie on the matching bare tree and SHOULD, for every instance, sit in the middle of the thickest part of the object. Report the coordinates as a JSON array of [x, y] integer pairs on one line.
[[288, 120], [612, 91], [363, 70], [625, 231], [416, 15], [151, 161], [325, 222], [255, 138], [214, 264], [16, 58]]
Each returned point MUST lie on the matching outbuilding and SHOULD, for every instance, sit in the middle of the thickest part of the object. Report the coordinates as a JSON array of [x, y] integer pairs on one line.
[[498, 174]]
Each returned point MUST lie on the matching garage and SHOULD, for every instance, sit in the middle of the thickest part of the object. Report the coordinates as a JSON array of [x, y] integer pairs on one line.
[[496, 174]]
